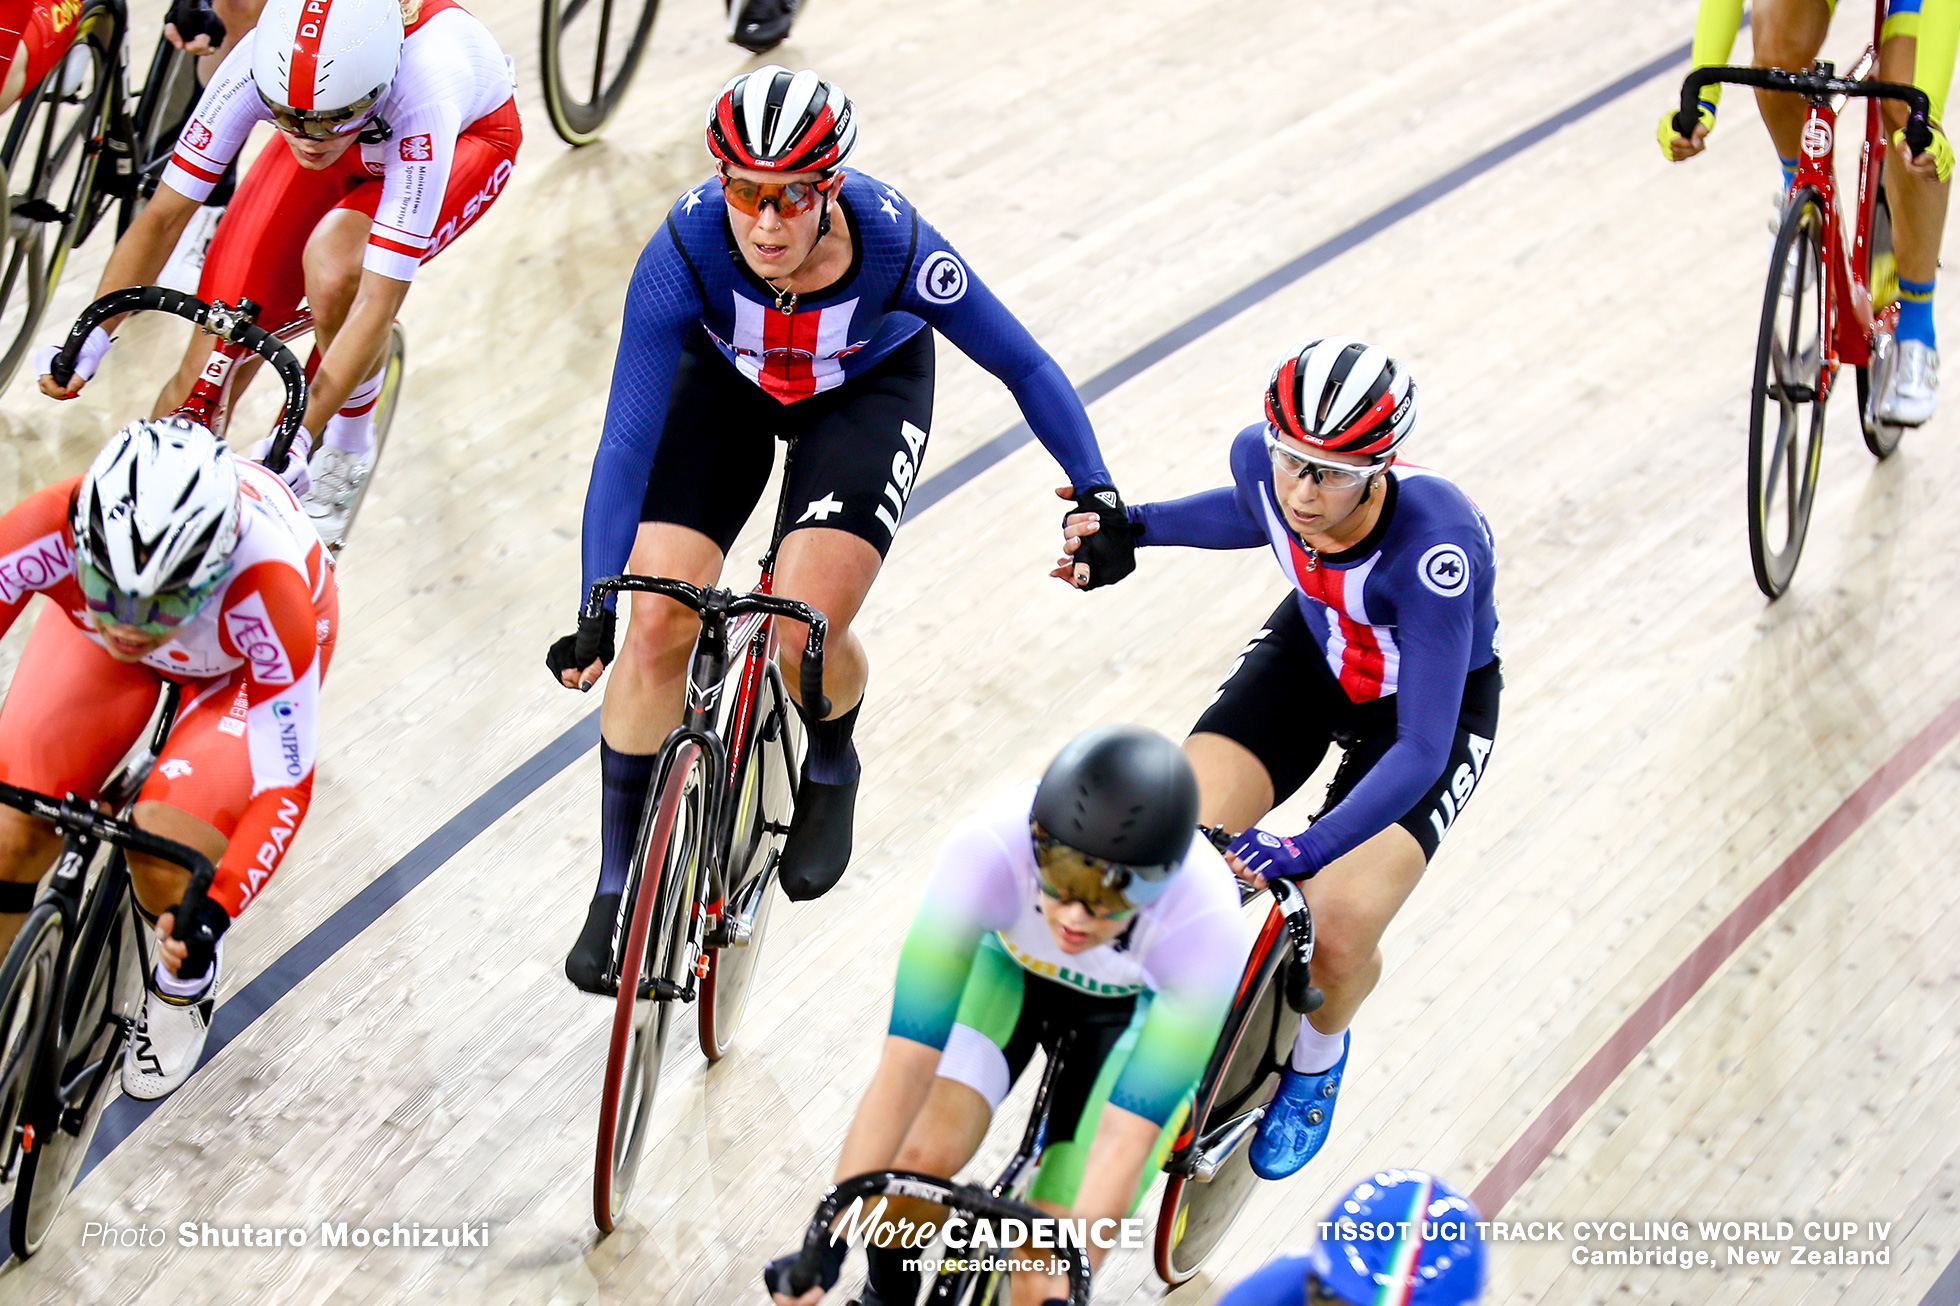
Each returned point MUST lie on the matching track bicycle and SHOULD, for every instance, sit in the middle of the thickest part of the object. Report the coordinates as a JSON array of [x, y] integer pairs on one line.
[[1822, 307], [213, 397], [72, 984], [1209, 1173], [704, 870], [582, 35], [966, 1283], [75, 145]]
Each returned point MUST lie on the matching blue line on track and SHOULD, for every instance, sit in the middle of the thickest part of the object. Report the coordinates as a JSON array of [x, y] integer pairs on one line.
[[125, 1115], [1946, 1289]]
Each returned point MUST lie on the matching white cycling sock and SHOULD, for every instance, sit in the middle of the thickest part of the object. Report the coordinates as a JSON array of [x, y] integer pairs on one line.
[[1315, 1053], [188, 989], [352, 428]]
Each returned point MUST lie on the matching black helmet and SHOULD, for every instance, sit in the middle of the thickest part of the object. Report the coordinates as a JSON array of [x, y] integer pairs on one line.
[[1122, 794]]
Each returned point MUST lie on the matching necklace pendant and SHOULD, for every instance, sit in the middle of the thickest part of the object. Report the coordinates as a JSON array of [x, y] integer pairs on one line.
[[1313, 559]]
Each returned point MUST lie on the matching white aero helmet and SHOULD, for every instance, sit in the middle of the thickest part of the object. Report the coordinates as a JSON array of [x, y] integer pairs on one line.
[[155, 521], [322, 65]]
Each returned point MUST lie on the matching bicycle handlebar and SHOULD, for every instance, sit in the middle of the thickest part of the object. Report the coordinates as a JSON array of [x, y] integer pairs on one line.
[[734, 605], [1814, 86], [802, 1275], [220, 319], [79, 818]]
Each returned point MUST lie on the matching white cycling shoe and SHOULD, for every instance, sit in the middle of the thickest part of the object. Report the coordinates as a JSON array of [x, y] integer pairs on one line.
[[337, 480], [1912, 392], [169, 1039]]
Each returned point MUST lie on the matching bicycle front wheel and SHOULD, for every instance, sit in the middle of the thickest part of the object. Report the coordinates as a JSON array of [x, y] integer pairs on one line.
[[48, 159], [653, 967], [764, 801], [591, 50], [1786, 403], [393, 366], [1197, 1212], [27, 1001], [1882, 438], [104, 987]]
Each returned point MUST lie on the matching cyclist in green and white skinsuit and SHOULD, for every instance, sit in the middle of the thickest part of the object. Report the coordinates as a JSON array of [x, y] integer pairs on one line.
[[1918, 47], [1135, 944]]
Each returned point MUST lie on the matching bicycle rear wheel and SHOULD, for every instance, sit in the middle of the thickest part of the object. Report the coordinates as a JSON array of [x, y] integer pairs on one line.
[[393, 365], [1882, 438], [673, 841], [27, 979], [591, 50], [51, 171], [1786, 403], [104, 986], [1195, 1214], [764, 799]]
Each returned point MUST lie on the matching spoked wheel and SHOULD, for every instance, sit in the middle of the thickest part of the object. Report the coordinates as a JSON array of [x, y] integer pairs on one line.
[[26, 1000], [169, 94], [764, 799], [653, 969], [104, 988], [592, 48], [1195, 1213], [1882, 438], [52, 173], [1786, 404]]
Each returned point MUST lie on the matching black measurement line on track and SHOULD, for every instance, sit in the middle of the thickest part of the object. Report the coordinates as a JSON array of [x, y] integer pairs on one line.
[[125, 1115]]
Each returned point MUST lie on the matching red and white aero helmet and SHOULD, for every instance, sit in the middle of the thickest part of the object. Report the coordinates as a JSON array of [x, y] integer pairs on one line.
[[774, 120], [322, 65], [1344, 396]]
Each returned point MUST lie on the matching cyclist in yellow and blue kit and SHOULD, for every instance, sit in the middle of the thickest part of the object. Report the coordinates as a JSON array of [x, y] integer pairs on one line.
[[1918, 47]]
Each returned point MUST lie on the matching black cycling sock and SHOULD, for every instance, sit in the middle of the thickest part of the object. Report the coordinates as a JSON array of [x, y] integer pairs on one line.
[[624, 779], [832, 759], [895, 1283]]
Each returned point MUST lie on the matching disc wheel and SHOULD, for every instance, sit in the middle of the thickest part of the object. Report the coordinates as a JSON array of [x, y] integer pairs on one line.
[[591, 49], [27, 980], [1786, 403], [668, 865], [1882, 438], [1194, 1215], [51, 171], [764, 798], [104, 988]]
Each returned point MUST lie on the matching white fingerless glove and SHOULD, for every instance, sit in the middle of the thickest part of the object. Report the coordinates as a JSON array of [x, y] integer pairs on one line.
[[93, 349], [296, 476]]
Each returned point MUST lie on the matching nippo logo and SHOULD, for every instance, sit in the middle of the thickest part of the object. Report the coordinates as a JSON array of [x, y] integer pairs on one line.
[[197, 135], [417, 149], [250, 628], [1816, 138], [35, 566]]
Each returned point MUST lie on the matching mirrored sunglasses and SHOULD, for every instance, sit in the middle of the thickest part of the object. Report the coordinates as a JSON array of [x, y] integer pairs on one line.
[[154, 614], [1297, 466]]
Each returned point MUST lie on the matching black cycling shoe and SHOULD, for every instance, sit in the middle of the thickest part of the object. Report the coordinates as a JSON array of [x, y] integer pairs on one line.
[[585, 964], [761, 25], [819, 844]]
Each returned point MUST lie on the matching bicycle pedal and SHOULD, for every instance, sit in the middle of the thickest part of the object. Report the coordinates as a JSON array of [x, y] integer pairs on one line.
[[662, 990], [38, 210]]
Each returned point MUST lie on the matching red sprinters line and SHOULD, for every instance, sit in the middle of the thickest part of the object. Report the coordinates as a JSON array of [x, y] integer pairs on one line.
[[1664, 1003]]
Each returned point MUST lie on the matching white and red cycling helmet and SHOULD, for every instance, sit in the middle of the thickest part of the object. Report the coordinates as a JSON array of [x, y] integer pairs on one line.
[[1344, 396], [773, 120], [322, 65]]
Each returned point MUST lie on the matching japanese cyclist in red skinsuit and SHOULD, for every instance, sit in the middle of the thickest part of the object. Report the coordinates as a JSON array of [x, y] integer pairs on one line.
[[168, 559], [398, 139], [1386, 645]]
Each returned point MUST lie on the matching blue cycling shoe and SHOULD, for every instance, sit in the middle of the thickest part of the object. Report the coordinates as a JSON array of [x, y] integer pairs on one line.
[[1298, 1119]]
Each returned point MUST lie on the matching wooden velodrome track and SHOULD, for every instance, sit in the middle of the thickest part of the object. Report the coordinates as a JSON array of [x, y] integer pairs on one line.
[[1688, 956]]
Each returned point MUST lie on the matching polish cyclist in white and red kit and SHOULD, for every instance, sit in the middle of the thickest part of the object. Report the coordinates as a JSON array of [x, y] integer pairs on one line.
[[400, 129]]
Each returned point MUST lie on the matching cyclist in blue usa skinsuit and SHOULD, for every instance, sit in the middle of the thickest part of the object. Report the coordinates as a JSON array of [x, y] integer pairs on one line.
[[1387, 645], [784, 298]]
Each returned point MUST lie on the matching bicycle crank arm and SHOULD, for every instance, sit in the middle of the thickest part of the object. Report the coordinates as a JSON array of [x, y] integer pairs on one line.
[[1796, 394], [1217, 1147], [738, 920], [663, 990]]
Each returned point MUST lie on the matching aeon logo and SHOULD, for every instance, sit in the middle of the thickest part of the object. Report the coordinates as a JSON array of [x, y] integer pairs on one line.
[[35, 566]]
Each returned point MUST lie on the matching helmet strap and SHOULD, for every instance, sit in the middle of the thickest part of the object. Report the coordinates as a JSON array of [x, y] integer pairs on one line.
[[823, 217]]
